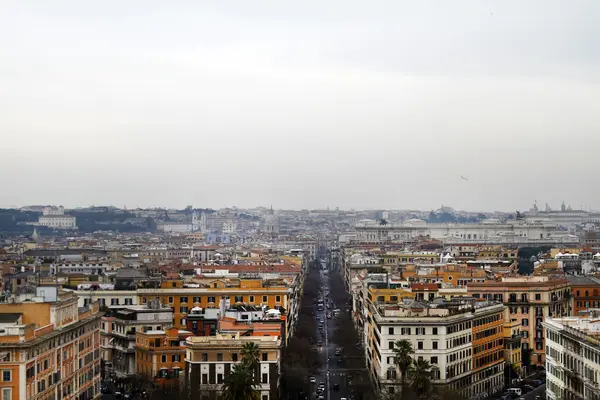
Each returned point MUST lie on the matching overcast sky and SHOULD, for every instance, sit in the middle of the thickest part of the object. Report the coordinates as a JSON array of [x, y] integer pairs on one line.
[[303, 104]]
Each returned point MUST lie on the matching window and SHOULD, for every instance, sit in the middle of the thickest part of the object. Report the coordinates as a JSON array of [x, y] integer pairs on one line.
[[170, 300], [114, 302], [239, 299], [391, 331], [538, 296], [394, 299], [128, 301], [176, 358], [391, 345], [204, 379], [211, 299], [6, 394], [391, 373], [219, 378], [278, 299], [525, 322], [435, 331], [204, 356], [265, 357], [164, 358], [183, 310], [420, 345], [183, 299], [234, 357], [219, 356], [6, 375], [251, 300], [405, 331], [182, 321], [265, 397], [265, 299], [434, 360], [265, 378], [434, 345], [197, 299]]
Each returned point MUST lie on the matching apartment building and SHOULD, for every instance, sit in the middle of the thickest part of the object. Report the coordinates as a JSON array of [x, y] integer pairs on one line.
[[119, 329], [278, 294], [573, 357], [49, 348], [530, 300], [160, 354], [209, 360], [488, 349], [461, 338], [512, 347], [107, 297], [585, 291]]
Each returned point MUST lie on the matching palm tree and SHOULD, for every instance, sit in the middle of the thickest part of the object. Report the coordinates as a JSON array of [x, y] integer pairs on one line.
[[421, 373], [240, 384], [403, 351], [250, 353]]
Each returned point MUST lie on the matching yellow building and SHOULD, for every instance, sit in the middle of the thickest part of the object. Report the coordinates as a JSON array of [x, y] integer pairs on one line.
[[512, 345]]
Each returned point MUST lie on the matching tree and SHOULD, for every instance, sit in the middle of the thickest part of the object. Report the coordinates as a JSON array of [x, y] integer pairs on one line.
[[403, 351], [240, 384], [421, 374], [250, 353]]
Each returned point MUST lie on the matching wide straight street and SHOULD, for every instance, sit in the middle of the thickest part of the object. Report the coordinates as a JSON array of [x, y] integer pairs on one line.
[[332, 372]]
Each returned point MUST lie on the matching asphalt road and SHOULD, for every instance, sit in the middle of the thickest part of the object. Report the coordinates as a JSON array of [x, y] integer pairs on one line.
[[331, 373], [538, 391]]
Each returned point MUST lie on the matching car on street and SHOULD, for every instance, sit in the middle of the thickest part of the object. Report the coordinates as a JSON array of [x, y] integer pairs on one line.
[[313, 379], [320, 343]]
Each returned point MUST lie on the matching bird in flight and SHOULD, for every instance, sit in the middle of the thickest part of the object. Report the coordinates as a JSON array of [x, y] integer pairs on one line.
[[462, 177]]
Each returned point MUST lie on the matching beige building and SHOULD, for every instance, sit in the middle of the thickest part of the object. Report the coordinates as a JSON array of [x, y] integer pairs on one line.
[[529, 300], [49, 348], [209, 359]]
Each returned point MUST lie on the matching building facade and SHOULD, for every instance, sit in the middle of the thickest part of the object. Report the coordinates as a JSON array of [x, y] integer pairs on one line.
[[119, 329], [529, 300], [573, 358], [49, 348], [461, 338], [210, 359]]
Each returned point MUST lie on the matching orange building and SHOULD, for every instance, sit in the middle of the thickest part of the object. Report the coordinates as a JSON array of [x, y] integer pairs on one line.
[[49, 347], [160, 355], [280, 294], [488, 349], [586, 292], [530, 300]]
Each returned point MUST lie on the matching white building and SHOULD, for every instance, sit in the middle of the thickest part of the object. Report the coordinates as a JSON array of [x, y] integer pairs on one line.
[[369, 231], [55, 218], [443, 334], [105, 297], [573, 357], [175, 227]]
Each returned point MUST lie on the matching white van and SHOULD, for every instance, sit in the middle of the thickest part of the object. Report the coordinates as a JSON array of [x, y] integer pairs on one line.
[[517, 391]]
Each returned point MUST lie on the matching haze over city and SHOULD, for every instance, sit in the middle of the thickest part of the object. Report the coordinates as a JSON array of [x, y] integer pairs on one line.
[[379, 105]]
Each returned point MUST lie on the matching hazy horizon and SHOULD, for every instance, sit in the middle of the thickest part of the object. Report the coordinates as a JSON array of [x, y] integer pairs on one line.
[[382, 105]]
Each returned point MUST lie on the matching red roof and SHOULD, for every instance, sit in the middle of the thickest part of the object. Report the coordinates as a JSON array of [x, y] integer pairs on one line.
[[424, 286]]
